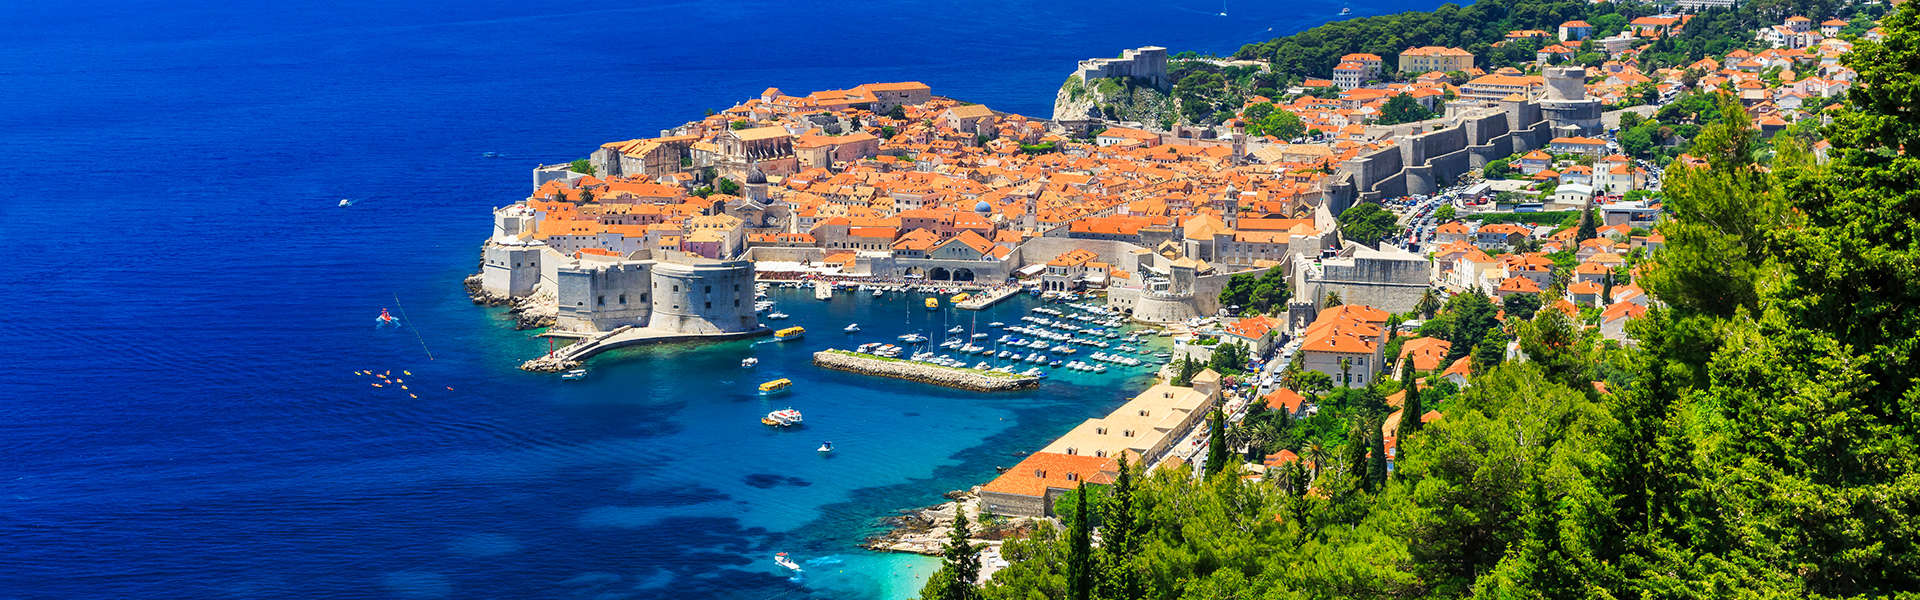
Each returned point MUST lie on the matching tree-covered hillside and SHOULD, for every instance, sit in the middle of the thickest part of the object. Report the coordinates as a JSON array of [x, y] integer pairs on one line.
[[1761, 439]]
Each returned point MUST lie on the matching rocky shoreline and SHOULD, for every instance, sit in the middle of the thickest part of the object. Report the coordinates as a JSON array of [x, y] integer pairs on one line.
[[531, 312], [925, 530], [966, 379]]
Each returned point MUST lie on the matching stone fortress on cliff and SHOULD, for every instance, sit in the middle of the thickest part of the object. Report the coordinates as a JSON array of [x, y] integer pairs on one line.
[[669, 294], [1146, 63]]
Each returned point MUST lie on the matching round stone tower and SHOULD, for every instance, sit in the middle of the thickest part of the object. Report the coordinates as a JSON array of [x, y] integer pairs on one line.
[[1566, 104], [1566, 83], [703, 296]]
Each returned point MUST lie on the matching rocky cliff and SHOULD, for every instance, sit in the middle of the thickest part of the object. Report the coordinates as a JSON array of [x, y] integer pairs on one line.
[[1113, 99]]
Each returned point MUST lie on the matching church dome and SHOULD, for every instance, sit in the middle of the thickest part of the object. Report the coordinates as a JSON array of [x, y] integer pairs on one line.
[[756, 176]]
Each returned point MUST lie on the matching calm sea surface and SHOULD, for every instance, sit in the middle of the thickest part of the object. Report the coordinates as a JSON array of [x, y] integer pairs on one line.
[[185, 305]]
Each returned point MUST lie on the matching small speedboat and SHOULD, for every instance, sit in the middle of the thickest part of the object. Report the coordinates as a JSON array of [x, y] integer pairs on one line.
[[852, 328], [345, 202], [1346, 11], [782, 560], [776, 315], [956, 328], [574, 375], [749, 362], [825, 447]]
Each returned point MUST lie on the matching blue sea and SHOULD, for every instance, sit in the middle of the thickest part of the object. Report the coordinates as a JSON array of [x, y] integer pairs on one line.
[[186, 306]]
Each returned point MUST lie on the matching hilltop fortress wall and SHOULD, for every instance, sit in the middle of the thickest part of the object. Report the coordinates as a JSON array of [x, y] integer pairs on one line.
[[1423, 163], [1147, 63]]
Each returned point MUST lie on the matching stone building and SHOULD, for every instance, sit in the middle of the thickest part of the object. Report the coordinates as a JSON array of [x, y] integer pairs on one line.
[[1146, 427], [1388, 277], [1030, 488], [1434, 58], [1147, 64]]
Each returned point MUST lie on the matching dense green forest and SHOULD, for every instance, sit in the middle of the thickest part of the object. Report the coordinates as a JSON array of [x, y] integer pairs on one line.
[[1477, 26], [1762, 438]]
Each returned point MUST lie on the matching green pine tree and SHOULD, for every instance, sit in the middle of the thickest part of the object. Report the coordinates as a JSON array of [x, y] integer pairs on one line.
[[960, 563]]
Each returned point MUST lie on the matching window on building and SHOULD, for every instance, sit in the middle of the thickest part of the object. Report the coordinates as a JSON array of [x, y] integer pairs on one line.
[[709, 305], [676, 287], [600, 301], [1073, 477], [708, 290], [623, 298], [643, 297]]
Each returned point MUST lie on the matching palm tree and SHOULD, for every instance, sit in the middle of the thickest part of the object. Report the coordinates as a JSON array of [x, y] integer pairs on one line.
[[1316, 455], [1429, 303], [1239, 436], [1346, 364], [1333, 299]]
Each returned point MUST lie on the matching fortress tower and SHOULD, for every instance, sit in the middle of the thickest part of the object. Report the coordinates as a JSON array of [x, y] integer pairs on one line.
[[1566, 104]]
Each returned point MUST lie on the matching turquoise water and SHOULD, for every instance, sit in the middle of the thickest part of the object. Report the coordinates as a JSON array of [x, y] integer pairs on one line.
[[898, 444], [178, 413]]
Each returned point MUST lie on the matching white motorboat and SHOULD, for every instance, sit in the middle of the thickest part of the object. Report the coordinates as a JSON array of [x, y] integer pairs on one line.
[[852, 328], [776, 315], [749, 362], [344, 202], [574, 375], [786, 417], [825, 447], [782, 560]]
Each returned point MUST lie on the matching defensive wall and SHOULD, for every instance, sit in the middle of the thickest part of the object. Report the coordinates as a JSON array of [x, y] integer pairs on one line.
[[1147, 63], [1424, 163]]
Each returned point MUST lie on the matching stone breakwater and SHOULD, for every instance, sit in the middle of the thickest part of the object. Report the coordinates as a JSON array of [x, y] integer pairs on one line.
[[966, 379]]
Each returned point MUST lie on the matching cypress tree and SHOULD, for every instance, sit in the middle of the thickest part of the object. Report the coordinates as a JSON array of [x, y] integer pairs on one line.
[[1588, 228], [1080, 550], [1357, 453], [1216, 442], [1410, 408], [1377, 463], [1118, 542]]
